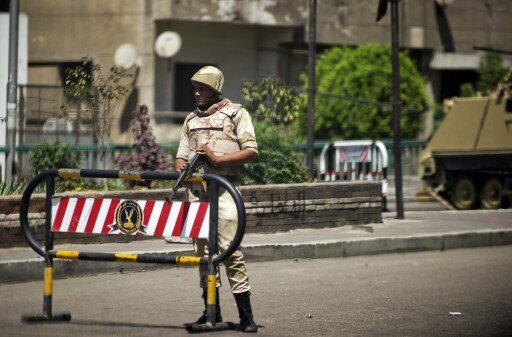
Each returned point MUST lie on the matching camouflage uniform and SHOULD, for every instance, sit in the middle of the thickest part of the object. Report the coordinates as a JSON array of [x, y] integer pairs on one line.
[[225, 128]]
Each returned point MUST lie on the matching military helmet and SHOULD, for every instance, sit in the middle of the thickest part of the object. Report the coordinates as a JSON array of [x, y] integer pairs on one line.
[[211, 77]]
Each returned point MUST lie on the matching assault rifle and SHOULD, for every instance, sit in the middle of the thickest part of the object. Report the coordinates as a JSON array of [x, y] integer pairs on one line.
[[187, 171]]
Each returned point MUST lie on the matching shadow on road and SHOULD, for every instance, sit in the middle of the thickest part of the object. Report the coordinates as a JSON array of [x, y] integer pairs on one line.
[[112, 324]]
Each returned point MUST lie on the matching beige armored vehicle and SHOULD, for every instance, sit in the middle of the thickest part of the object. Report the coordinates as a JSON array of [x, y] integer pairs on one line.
[[468, 160]]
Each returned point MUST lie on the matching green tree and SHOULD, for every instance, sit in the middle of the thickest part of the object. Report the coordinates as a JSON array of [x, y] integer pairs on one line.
[[490, 71], [467, 90], [98, 92], [359, 76], [439, 115], [271, 99], [273, 106]]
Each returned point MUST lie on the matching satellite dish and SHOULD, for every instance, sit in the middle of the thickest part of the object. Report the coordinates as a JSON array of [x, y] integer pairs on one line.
[[167, 44], [125, 56]]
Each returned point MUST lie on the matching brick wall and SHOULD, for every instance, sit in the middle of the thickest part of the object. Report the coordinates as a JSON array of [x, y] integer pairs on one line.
[[270, 208]]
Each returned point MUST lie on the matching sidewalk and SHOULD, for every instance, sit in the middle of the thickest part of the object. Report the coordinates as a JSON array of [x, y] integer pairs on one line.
[[412, 189], [420, 231]]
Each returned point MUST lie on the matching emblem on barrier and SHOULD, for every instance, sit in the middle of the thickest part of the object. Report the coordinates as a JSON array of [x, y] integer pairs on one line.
[[129, 218]]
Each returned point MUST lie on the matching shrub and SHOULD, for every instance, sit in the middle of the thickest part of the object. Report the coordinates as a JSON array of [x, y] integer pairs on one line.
[[54, 154], [146, 154], [273, 105], [279, 161], [14, 187]]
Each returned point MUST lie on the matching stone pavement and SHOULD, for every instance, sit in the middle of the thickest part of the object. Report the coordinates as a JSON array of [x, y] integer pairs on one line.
[[419, 231]]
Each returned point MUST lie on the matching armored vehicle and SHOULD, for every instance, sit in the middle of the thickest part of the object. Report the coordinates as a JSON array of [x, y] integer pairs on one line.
[[468, 160]]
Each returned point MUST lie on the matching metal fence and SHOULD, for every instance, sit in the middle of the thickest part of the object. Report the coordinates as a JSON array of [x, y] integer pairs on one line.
[[89, 156], [410, 150], [45, 111]]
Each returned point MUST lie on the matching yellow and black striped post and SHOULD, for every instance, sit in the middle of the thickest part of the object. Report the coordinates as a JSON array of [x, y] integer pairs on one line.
[[129, 257], [211, 294], [48, 261], [211, 299], [76, 173], [211, 291], [48, 288]]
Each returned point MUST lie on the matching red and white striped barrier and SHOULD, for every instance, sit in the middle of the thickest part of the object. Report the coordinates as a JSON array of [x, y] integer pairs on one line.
[[130, 217], [354, 160]]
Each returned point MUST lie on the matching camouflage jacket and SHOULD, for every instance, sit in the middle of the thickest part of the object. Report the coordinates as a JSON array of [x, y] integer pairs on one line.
[[225, 128]]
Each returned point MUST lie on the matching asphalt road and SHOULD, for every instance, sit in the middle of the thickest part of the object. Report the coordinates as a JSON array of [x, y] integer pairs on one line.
[[385, 295]]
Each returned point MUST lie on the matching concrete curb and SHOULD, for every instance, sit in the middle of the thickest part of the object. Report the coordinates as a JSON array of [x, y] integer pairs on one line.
[[32, 269], [384, 245]]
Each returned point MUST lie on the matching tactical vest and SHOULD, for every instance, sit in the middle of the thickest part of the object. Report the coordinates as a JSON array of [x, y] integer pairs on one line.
[[218, 131]]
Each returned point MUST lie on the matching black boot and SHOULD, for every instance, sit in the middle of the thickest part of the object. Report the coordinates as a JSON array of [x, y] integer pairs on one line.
[[204, 318], [243, 302]]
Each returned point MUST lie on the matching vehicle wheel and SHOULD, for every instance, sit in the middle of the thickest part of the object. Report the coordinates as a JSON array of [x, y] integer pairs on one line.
[[464, 195], [491, 193]]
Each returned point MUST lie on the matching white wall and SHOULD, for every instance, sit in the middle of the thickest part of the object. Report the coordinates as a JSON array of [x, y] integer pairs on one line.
[[242, 52], [4, 72]]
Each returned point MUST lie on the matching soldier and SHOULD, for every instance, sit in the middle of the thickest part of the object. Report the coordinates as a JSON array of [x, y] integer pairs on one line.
[[223, 132]]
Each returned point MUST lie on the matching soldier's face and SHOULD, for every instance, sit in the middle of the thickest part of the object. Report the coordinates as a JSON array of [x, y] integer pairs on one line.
[[202, 94]]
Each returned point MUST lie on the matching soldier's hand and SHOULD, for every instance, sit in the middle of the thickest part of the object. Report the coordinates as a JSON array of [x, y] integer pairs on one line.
[[205, 150], [180, 164]]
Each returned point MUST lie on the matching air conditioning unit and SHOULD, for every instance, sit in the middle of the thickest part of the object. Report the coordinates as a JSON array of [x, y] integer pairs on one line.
[[53, 125]]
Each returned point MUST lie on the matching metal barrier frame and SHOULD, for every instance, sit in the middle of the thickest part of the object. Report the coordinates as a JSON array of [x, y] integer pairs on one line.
[[376, 145], [212, 261]]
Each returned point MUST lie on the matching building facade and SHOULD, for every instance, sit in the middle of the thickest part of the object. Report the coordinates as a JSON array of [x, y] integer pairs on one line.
[[249, 39]]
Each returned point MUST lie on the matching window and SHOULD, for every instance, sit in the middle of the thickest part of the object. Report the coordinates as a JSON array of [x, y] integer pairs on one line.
[[508, 105], [183, 89], [52, 73]]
